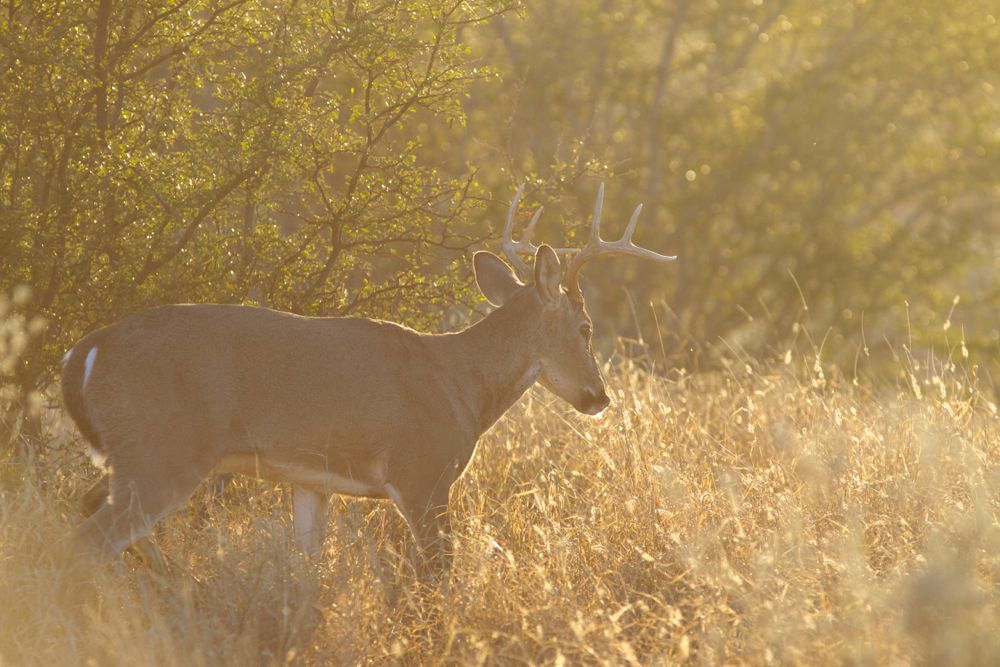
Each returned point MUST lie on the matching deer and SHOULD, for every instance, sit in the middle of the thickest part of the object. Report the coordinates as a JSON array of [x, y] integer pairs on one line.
[[329, 405]]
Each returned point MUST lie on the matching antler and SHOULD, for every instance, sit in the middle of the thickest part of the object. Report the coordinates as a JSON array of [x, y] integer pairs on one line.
[[597, 246], [511, 248]]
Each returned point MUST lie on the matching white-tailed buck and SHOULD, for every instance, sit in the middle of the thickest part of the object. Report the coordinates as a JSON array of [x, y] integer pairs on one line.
[[329, 405]]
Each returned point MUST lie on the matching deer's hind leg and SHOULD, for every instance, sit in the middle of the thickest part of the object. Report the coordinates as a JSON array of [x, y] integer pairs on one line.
[[142, 490], [95, 496]]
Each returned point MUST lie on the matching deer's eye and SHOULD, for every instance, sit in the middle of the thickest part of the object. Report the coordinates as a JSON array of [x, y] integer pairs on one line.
[[586, 331]]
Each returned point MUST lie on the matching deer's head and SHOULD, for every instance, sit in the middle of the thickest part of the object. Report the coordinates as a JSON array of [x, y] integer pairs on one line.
[[568, 366]]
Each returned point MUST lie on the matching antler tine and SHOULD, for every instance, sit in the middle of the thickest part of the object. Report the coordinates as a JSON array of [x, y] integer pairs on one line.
[[624, 245], [529, 231], [632, 222], [513, 249], [595, 221], [509, 245], [597, 246]]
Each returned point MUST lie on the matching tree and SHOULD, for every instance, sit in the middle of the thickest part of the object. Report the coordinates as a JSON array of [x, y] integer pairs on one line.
[[841, 155], [230, 150]]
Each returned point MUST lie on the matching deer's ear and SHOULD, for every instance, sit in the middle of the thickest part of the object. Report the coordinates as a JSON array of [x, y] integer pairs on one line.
[[548, 274], [496, 280]]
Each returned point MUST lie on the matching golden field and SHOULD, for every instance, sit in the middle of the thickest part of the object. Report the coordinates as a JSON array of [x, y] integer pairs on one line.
[[763, 515]]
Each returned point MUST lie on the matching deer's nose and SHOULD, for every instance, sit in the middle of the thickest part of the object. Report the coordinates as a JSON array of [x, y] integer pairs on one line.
[[594, 400]]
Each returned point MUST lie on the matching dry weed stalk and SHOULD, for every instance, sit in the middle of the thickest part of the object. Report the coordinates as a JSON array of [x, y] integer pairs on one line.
[[752, 517]]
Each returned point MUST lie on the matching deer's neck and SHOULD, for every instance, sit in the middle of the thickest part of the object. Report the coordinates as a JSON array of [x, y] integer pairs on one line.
[[497, 359]]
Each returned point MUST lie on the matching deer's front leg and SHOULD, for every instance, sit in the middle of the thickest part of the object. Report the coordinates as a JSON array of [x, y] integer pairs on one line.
[[434, 538], [309, 516], [427, 516]]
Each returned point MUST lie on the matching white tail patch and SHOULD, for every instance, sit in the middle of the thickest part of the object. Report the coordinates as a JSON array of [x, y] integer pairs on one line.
[[88, 366], [98, 459]]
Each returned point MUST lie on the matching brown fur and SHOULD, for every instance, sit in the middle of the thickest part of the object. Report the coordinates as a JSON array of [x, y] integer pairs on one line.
[[331, 405]]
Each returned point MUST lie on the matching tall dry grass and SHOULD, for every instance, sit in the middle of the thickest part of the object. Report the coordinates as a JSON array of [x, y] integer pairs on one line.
[[758, 516]]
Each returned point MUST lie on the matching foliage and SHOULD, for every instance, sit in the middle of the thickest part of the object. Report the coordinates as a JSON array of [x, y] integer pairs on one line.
[[762, 515], [828, 162], [328, 158], [839, 157], [16, 333], [230, 150]]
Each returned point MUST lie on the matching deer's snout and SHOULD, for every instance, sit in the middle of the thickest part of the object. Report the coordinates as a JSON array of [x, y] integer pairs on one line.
[[594, 401]]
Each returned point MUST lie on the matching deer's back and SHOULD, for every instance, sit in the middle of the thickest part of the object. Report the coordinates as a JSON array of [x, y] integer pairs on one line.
[[236, 378]]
